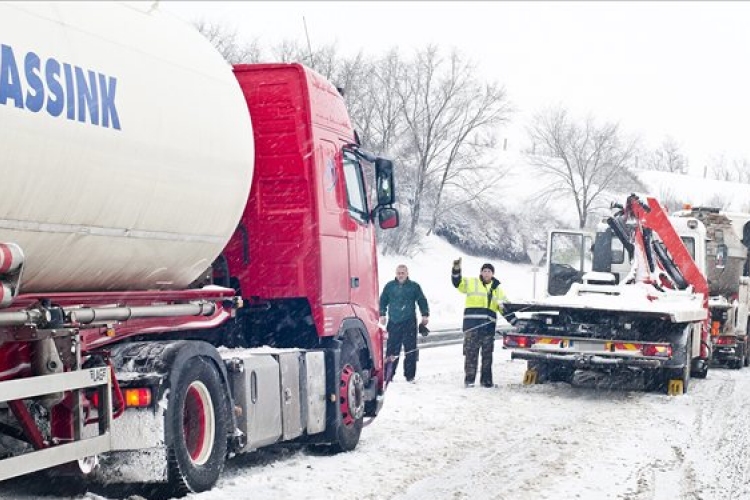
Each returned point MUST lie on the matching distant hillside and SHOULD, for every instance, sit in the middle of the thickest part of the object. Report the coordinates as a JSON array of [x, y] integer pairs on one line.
[[675, 190], [515, 215]]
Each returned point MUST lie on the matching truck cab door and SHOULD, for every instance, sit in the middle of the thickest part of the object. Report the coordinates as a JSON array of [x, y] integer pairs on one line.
[[569, 257], [362, 271]]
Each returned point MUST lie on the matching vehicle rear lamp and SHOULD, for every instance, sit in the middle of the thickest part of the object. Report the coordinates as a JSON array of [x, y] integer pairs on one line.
[[657, 350], [517, 341], [137, 397], [715, 328], [725, 340]]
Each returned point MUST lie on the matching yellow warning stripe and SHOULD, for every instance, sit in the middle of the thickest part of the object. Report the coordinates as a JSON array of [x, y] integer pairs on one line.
[[621, 346], [548, 341]]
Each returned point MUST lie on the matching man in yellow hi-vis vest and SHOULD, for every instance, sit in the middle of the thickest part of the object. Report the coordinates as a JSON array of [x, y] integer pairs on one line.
[[484, 299]]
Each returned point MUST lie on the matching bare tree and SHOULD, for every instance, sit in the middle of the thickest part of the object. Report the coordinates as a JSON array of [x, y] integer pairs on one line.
[[742, 169], [719, 168], [722, 168], [226, 42], [667, 158], [583, 159], [379, 111], [448, 116], [669, 200]]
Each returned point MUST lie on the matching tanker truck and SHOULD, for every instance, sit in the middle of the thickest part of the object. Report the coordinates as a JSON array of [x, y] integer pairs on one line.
[[187, 251]]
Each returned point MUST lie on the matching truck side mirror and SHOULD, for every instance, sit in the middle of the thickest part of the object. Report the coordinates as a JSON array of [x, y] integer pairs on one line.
[[384, 182], [388, 218]]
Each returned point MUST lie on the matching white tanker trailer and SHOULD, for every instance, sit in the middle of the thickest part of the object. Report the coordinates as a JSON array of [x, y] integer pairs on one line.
[[145, 224], [127, 144]]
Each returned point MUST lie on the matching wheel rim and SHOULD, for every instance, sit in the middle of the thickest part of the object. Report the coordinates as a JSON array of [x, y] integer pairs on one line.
[[351, 395], [198, 423]]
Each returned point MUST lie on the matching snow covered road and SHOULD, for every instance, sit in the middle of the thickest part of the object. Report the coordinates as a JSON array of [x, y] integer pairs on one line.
[[436, 439]]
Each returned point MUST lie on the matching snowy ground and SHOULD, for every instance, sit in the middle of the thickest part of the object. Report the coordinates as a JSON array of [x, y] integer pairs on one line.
[[435, 439]]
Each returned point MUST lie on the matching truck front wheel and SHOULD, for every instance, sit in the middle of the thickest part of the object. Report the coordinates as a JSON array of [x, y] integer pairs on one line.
[[195, 427], [351, 400]]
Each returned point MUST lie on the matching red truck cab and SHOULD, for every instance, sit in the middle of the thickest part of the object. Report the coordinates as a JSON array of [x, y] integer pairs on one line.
[[303, 256]]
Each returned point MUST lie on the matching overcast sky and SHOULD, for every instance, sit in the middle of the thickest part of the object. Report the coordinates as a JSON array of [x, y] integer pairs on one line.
[[658, 68]]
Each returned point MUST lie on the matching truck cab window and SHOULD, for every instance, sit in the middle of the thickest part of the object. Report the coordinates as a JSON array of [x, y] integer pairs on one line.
[[355, 188], [618, 251], [690, 245], [569, 259]]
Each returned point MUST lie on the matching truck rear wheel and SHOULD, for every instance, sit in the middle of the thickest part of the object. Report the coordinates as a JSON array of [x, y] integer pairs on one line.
[[195, 427], [678, 379], [351, 400], [738, 363]]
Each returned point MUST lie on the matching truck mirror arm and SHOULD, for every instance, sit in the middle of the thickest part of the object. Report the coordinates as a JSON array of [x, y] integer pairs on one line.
[[361, 153]]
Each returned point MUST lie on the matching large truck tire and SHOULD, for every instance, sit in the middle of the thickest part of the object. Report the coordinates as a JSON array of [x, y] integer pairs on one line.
[[678, 380], [196, 425], [739, 362], [702, 371], [700, 366], [351, 400]]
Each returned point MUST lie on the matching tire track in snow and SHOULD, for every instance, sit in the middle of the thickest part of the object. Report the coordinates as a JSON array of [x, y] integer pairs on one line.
[[722, 451]]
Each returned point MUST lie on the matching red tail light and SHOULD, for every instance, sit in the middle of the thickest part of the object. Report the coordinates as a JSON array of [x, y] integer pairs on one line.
[[138, 397], [657, 350], [724, 340], [517, 341]]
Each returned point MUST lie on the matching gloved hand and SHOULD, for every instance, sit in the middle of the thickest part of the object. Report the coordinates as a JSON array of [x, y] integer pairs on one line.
[[423, 330], [457, 264]]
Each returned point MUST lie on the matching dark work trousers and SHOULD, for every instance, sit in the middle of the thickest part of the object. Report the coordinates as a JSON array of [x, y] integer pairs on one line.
[[478, 336], [403, 334]]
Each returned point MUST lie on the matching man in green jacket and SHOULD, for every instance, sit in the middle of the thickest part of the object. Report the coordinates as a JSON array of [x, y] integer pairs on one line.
[[398, 302]]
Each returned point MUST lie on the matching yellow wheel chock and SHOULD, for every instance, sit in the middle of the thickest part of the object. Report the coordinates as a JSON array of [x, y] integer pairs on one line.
[[675, 387], [529, 378]]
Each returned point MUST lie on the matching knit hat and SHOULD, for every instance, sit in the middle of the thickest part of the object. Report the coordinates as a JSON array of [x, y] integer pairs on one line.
[[488, 266]]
